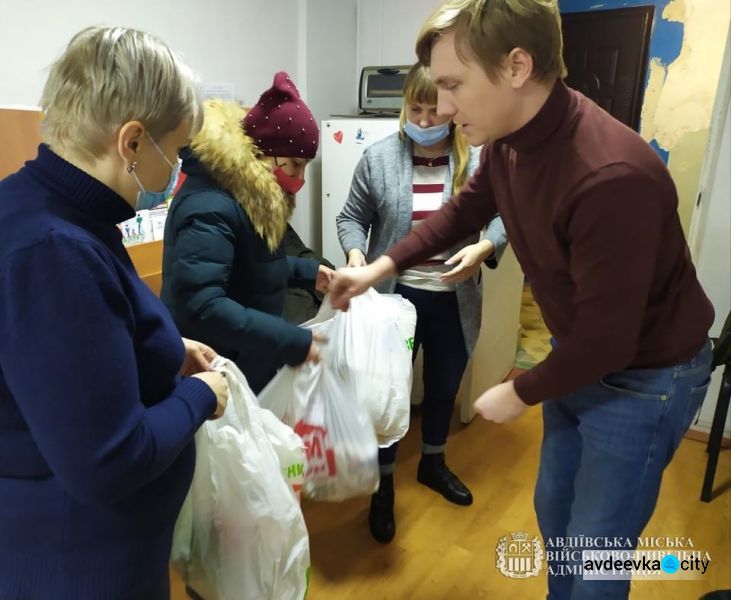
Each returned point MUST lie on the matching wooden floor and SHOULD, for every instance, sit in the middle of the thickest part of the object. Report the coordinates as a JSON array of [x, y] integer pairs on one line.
[[443, 551]]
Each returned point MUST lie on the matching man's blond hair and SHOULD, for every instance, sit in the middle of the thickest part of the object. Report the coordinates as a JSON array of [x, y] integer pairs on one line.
[[487, 30], [108, 76]]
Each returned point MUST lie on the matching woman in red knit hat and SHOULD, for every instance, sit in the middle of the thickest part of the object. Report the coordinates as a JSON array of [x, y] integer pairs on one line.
[[225, 272]]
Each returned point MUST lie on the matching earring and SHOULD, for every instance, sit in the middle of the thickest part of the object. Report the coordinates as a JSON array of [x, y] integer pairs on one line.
[[132, 167]]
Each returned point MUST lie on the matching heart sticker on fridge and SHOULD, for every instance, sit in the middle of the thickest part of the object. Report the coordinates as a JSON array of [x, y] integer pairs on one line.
[[338, 136]]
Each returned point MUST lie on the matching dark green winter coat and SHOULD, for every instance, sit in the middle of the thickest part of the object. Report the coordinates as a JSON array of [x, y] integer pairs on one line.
[[225, 271]]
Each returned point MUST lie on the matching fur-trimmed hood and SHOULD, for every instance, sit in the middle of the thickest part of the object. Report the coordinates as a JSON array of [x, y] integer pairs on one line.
[[233, 160]]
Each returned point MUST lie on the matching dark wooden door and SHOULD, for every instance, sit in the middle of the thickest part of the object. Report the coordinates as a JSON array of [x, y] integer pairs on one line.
[[606, 54]]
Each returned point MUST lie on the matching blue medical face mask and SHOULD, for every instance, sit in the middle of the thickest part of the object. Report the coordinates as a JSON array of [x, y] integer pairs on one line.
[[426, 136], [146, 199]]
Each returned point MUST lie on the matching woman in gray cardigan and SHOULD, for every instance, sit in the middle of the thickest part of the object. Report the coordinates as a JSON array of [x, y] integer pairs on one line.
[[396, 184]]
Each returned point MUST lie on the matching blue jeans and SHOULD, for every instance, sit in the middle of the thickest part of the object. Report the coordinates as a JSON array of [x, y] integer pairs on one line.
[[604, 451], [439, 330]]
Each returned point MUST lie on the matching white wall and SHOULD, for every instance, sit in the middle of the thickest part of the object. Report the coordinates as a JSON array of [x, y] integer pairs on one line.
[[330, 77], [244, 42], [387, 30]]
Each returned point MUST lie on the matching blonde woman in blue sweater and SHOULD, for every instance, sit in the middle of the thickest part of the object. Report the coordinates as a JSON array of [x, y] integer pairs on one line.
[[96, 421]]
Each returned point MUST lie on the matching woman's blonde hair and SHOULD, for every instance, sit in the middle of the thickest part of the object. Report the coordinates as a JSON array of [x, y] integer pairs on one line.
[[419, 88], [109, 76], [490, 29]]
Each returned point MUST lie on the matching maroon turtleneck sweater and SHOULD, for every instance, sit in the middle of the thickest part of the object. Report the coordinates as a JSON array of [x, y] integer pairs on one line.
[[591, 213]]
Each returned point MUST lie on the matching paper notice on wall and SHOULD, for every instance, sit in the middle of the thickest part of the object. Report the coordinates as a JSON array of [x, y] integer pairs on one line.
[[222, 91]]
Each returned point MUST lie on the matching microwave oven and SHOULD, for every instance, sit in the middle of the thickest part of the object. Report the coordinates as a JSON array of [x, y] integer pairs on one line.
[[382, 88]]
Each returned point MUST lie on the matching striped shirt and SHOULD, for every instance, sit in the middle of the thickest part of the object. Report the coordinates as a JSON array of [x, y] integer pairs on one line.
[[428, 192]]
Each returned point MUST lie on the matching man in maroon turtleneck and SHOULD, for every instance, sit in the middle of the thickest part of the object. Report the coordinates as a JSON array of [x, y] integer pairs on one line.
[[591, 213]]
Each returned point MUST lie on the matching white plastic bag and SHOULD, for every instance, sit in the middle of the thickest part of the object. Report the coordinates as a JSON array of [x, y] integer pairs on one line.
[[248, 535], [290, 450], [278, 395], [342, 451], [372, 346], [183, 537], [375, 345]]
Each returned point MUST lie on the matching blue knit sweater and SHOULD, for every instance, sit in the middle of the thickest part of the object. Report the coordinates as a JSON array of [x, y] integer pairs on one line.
[[96, 425]]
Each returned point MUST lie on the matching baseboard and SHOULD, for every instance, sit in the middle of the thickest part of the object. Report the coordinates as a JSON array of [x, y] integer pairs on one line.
[[702, 436]]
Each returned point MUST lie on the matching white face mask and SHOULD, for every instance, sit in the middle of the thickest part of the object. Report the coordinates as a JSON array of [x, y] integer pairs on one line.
[[147, 199], [427, 136]]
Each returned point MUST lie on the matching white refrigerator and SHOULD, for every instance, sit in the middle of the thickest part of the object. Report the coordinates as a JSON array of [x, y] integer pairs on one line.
[[343, 142]]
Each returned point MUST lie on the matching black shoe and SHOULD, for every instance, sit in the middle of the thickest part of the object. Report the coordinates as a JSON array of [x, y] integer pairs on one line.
[[380, 517], [434, 473]]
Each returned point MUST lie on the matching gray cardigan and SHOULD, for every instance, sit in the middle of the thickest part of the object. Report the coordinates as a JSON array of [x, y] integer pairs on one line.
[[381, 200]]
